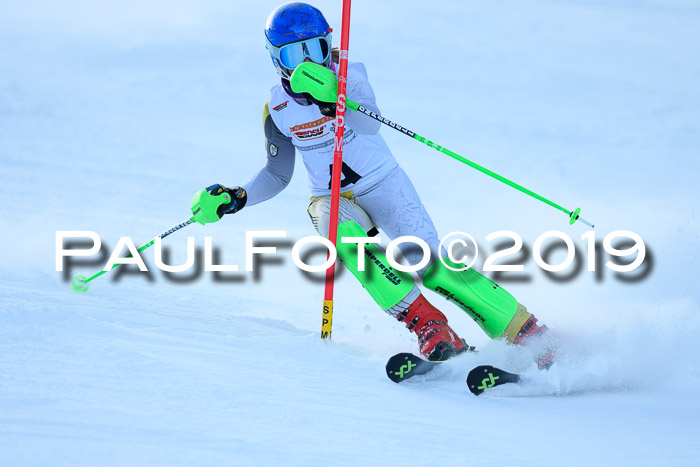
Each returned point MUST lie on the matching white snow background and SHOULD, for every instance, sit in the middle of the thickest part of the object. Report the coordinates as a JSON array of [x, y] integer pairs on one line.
[[113, 114]]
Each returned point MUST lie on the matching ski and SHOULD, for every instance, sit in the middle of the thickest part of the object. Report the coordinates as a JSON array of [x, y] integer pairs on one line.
[[403, 366], [484, 377]]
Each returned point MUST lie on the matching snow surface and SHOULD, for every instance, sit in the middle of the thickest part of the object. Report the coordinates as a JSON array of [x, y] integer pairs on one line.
[[112, 114]]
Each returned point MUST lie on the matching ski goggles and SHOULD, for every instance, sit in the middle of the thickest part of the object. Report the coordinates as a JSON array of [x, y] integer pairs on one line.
[[318, 49]]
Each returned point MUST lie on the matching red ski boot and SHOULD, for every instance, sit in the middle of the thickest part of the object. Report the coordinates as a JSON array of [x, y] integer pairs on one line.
[[526, 326], [436, 338]]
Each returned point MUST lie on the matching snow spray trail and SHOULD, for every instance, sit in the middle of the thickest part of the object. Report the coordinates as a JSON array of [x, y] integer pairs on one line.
[[646, 347]]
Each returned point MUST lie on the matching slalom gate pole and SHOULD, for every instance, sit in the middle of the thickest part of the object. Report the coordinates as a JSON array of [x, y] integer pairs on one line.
[[327, 318], [573, 215], [80, 283]]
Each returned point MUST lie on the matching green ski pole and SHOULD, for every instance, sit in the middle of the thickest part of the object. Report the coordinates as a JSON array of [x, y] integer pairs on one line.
[[204, 206], [318, 81], [573, 215]]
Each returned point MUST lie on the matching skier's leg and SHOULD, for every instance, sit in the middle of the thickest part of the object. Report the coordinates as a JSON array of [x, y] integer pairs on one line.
[[348, 210], [393, 290], [492, 307], [396, 208], [496, 311]]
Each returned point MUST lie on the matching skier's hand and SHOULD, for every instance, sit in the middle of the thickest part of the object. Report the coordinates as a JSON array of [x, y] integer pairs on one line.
[[211, 203], [326, 108], [238, 199]]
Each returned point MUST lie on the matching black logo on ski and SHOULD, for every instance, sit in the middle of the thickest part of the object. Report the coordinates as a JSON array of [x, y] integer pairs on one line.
[[403, 366], [485, 377]]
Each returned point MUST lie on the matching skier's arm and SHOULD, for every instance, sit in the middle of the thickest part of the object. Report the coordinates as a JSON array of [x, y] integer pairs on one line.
[[275, 176], [360, 91], [271, 179]]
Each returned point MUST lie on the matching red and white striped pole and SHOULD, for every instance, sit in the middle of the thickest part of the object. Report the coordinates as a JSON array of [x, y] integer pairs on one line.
[[327, 322]]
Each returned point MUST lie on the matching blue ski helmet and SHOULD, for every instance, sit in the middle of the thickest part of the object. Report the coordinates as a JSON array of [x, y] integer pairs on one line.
[[296, 31]]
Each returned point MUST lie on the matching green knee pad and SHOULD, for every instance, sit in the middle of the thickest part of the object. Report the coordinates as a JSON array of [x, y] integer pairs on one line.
[[485, 301], [386, 285]]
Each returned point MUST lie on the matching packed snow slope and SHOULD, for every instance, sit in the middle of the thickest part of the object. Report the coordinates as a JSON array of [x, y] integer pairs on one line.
[[113, 114]]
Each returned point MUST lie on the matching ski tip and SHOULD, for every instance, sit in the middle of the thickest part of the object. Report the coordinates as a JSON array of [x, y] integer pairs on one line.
[[400, 366], [484, 377]]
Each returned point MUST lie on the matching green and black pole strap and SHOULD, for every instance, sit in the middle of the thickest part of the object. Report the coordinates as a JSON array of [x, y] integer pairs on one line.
[[204, 206], [318, 81]]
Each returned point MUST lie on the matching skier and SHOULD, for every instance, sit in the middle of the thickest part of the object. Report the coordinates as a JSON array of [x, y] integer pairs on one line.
[[375, 193]]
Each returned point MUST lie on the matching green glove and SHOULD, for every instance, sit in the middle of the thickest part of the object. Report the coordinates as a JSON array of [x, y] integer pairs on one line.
[[317, 81], [211, 203]]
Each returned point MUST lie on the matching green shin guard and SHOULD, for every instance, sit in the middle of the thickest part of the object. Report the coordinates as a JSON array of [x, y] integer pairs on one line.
[[386, 285], [486, 302]]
